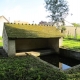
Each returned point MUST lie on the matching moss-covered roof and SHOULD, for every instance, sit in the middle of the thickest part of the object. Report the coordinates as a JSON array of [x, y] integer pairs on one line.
[[31, 31]]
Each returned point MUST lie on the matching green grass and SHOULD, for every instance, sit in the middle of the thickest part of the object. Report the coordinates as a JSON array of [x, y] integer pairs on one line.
[[0, 38], [72, 37], [71, 44], [1, 44], [28, 68], [74, 76], [78, 37], [73, 73], [31, 68]]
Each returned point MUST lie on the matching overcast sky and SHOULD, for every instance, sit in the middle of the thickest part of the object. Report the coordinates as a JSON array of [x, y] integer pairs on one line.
[[34, 10]]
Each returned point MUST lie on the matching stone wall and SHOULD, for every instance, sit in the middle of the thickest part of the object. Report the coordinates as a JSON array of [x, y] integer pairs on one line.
[[54, 44], [60, 41], [5, 41], [71, 31], [8, 45], [70, 53], [11, 48]]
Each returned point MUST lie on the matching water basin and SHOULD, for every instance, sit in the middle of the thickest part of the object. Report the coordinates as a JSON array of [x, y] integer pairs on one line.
[[60, 61]]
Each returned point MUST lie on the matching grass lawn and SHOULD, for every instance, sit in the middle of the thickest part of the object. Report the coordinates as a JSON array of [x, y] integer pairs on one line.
[[71, 44], [72, 37], [28, 68], [1, 44], [31, 68], [73, 73], [0, 38]]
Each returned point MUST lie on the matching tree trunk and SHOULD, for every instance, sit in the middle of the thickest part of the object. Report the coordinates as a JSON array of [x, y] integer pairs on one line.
[[75, 35]]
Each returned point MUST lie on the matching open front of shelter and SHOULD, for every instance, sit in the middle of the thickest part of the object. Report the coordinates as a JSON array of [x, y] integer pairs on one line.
[[33, 44]]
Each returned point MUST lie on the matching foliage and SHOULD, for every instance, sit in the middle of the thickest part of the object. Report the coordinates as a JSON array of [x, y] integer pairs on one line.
[[63, 28], [71, 44], [28, 68], [58, 10], [76, 24], [73, 76], [73, 73]]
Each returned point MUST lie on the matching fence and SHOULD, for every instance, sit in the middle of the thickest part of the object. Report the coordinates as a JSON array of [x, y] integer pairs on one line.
[[71, 31]]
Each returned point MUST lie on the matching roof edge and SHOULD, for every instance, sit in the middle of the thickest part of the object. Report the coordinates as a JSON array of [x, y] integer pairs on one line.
[[5, 18]]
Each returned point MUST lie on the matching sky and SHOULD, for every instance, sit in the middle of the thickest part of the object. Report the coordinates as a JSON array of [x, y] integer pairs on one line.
[[34, 10]]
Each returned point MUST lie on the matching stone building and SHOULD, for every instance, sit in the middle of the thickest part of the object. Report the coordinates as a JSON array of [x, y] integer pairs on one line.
[[2, 20], [26, 37]]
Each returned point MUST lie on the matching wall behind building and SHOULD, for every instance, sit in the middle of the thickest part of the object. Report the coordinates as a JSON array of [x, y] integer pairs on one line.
[[71, 31]]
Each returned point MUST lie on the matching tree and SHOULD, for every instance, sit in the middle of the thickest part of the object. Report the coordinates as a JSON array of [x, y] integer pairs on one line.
[[75, 25], [63, 28], [58, 10]]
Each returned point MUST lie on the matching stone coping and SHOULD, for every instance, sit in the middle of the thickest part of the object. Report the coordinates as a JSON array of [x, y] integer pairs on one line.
[[70, 53], [73, 69], [35, 53], [69, 49], [46, 63]]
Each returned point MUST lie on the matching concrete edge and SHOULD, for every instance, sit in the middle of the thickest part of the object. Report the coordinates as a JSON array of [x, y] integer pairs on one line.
[[47, 63], [70, 53]]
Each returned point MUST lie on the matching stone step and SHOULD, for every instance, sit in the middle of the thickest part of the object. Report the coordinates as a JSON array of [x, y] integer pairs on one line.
[[35, 53]]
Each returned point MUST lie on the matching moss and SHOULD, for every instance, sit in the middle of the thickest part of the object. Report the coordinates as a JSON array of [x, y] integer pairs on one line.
[[31, 31], [28, 68]]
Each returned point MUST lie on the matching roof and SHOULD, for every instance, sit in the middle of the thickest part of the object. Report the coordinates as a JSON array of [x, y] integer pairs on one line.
[[4, 18], [31, 31]]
